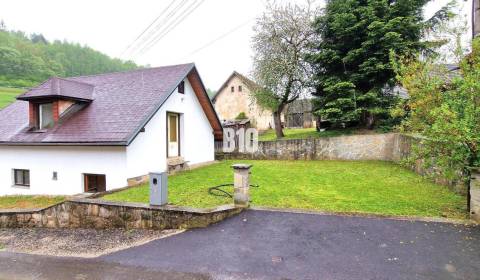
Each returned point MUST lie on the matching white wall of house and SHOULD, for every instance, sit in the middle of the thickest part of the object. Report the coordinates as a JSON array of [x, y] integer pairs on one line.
[[148, 152], [70, 163]]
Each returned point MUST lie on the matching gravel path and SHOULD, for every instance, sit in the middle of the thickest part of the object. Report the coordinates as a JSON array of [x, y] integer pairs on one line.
[[86, 243]]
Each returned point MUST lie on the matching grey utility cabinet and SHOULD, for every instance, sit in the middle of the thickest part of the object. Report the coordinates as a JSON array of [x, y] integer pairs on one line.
[[158, 188]]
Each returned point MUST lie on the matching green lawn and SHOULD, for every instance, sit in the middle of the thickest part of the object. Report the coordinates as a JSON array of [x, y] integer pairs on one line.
[[28, 201], [7, 95], [302, 133], [343, 186]]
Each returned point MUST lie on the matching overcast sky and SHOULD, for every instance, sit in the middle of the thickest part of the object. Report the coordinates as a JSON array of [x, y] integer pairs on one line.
[[110, 26]]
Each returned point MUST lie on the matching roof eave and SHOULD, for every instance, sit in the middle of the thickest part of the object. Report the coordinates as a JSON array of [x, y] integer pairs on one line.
[[97, 143], [53, 96]]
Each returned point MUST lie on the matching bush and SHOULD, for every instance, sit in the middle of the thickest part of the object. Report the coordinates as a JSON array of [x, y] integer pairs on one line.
[[446, 112], [241, 116]]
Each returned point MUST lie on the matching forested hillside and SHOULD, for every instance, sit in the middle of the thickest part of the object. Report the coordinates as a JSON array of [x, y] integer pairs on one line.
[[26, 60]]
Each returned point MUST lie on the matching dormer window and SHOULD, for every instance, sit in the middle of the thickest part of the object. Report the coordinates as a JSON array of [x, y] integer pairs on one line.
[[45, 116], [53, 99]]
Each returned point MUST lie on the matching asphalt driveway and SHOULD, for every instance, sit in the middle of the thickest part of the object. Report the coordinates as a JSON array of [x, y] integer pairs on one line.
[[258, 244], [276, 245]]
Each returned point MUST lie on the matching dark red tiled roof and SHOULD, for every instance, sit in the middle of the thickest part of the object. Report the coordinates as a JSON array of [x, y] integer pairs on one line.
[[122, 104]]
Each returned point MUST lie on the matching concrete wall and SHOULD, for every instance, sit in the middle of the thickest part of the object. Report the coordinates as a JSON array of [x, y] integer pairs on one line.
[[229, 104], [475, 195], [69, 163], [101, 215]]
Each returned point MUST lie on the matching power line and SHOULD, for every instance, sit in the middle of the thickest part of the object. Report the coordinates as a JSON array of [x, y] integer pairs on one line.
[[148, 27], [219, 37], [171, 26], [224, 35], [159, 26]]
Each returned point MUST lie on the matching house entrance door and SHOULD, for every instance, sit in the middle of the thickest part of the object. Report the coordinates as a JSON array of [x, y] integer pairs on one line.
[[173, 135]]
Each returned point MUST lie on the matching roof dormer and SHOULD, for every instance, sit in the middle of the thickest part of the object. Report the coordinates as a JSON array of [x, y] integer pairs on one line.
[[53, 99]]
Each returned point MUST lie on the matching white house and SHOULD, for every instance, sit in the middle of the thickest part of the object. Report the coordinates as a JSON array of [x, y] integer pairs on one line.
[[93, 133]]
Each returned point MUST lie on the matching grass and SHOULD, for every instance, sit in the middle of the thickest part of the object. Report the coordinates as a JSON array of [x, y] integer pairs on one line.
[[303, 133], [7, 95], [340, 186], [28, 201]]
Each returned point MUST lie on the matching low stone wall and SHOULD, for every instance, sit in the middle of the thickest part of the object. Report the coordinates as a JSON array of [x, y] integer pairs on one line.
[[402, 149], [98, 214], [354, 147]]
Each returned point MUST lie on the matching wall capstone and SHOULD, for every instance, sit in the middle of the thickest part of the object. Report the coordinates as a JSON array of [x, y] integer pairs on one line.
[[99, 214]]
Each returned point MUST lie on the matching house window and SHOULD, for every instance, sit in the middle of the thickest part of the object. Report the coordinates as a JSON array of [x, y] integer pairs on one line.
[[45, 115], [240, 88], [21, 177], [232, 89], [181, 87], [55, 176]]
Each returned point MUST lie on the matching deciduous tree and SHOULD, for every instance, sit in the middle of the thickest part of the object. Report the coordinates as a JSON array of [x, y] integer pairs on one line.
[[281, 42]]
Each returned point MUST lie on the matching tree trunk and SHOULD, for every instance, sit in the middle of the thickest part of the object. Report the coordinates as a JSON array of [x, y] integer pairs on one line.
[[368, 120], [278, 123], [318, 122]]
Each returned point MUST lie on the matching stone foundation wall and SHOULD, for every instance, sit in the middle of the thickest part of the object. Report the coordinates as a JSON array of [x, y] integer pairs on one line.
[[85, 213]]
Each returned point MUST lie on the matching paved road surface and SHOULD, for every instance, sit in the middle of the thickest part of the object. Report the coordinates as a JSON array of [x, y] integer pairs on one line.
[[276, 245]]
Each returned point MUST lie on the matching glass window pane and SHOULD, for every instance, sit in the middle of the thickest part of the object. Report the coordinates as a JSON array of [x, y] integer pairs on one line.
[[18, 177], [173, 128], [46, 115], [26, 178]]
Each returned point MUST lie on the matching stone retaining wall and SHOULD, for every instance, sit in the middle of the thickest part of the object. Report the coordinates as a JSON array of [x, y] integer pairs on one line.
[[98, 214], [402, 149], [355, 147]]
